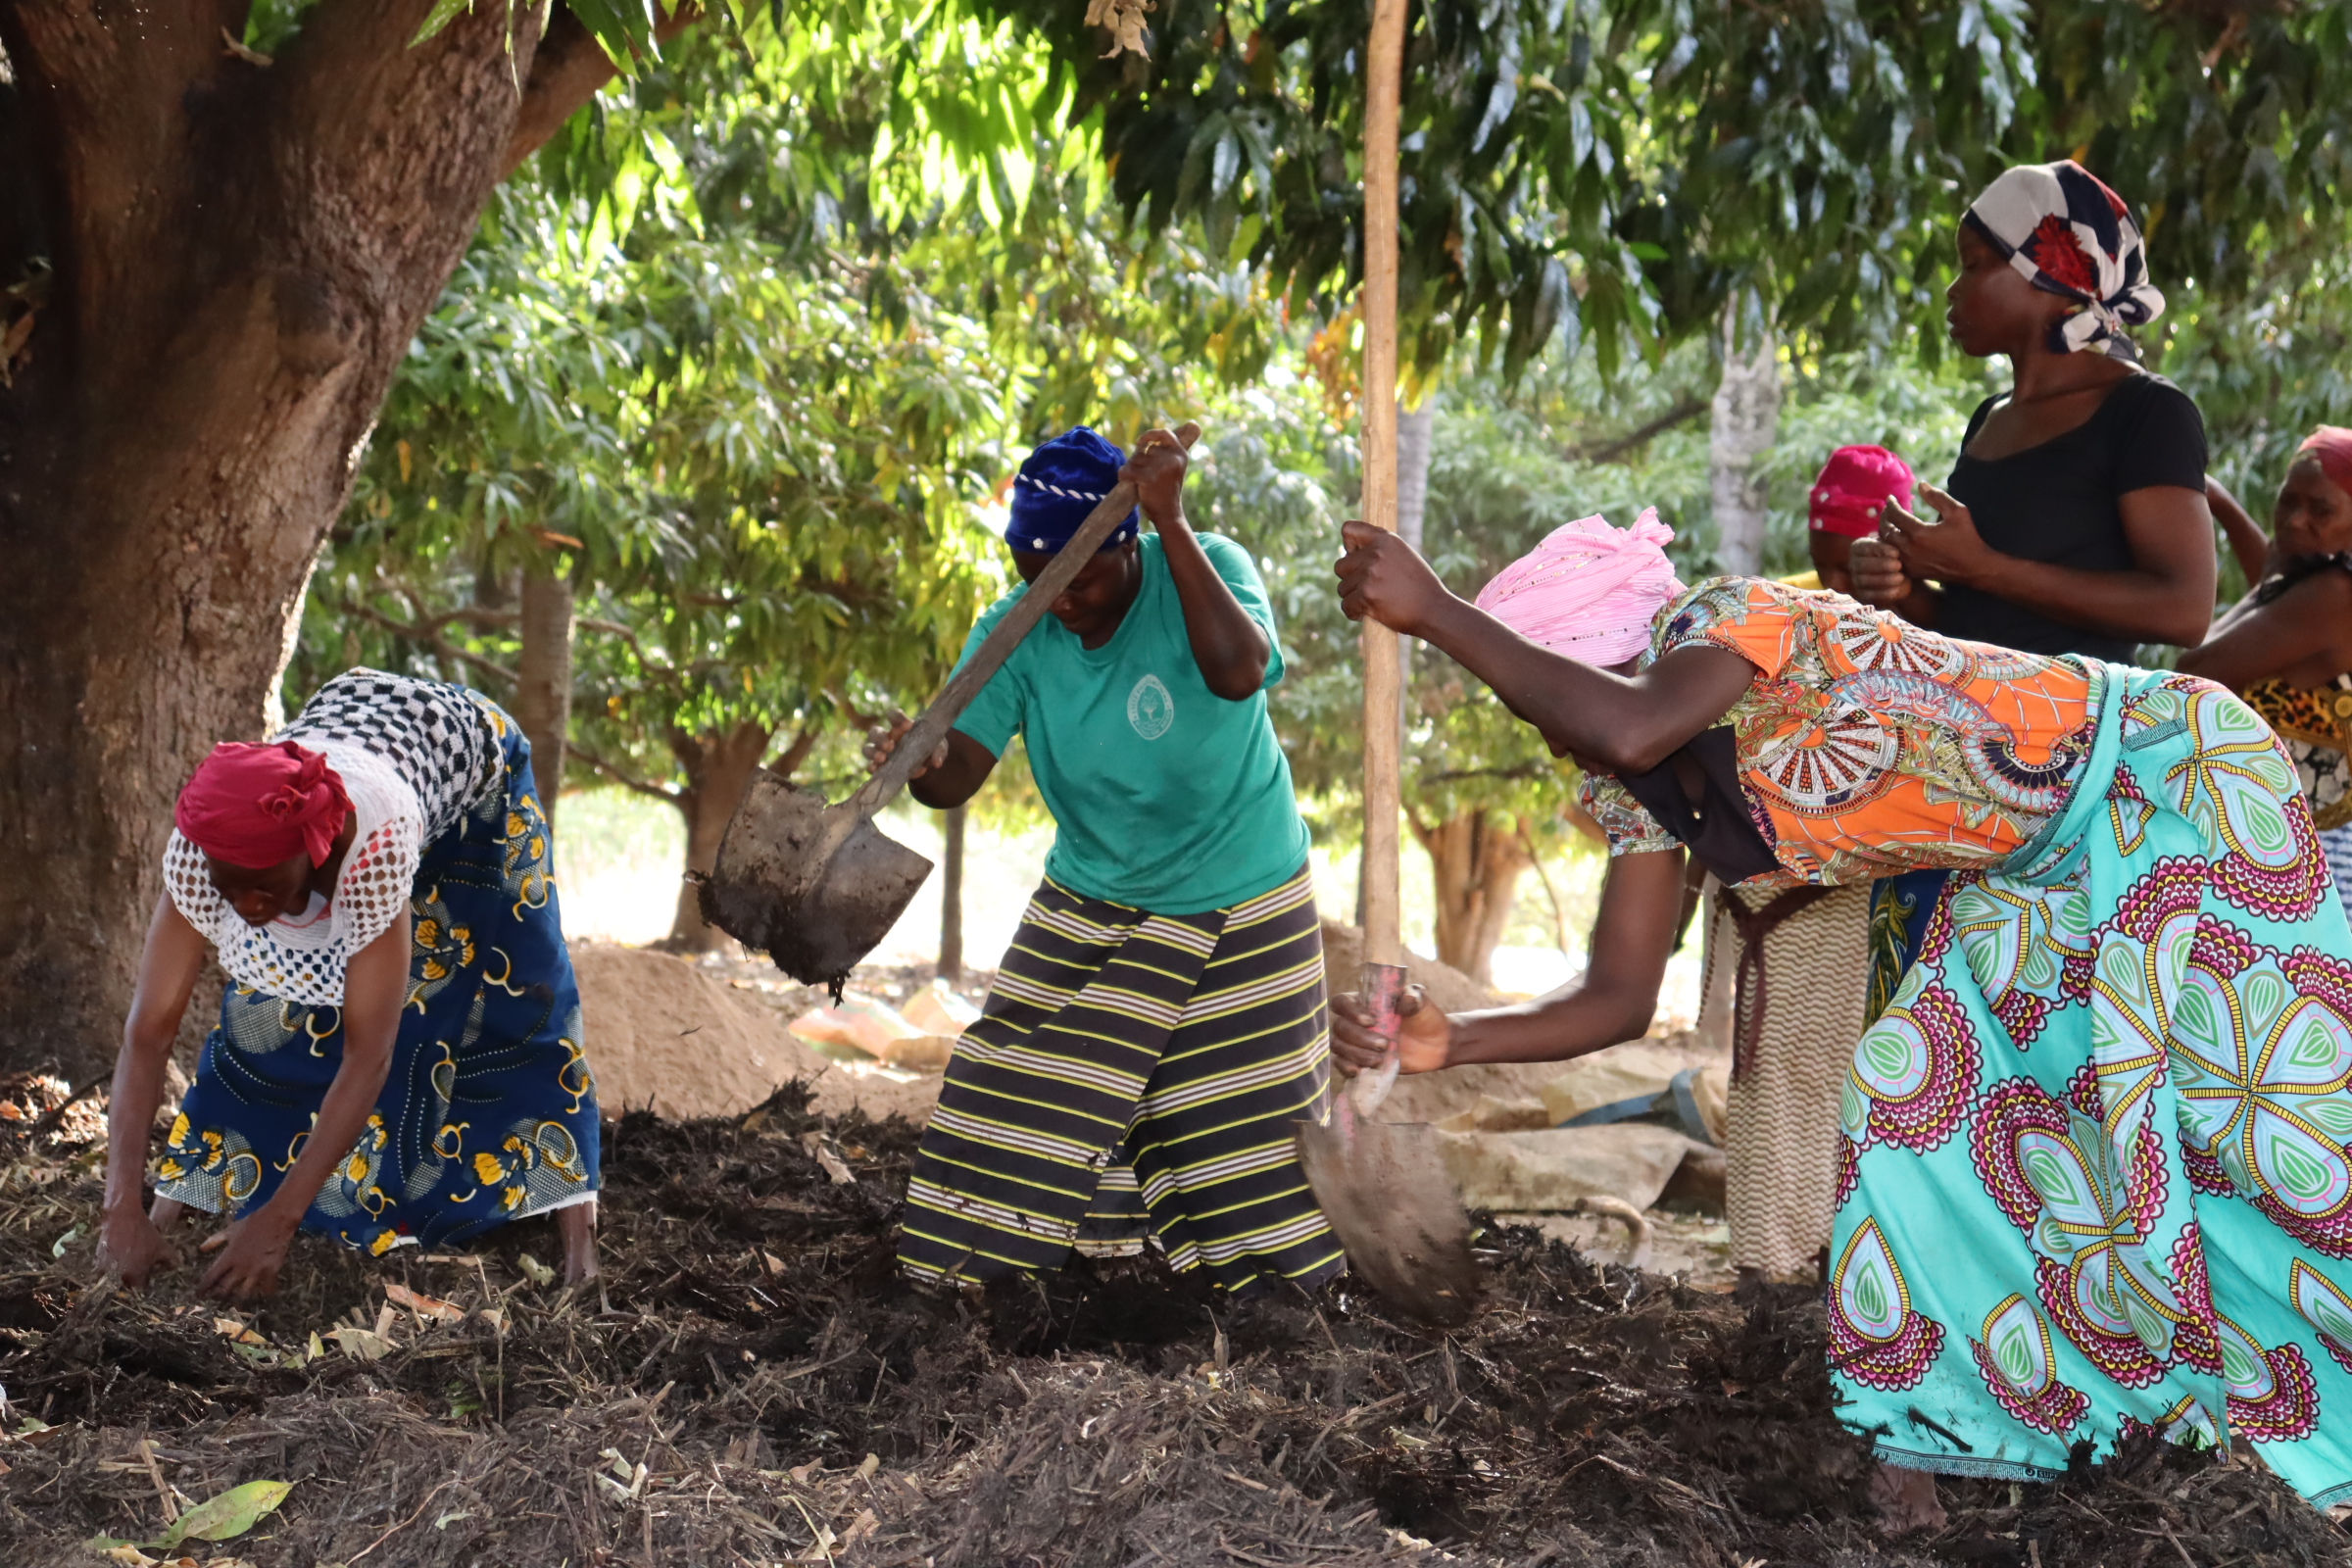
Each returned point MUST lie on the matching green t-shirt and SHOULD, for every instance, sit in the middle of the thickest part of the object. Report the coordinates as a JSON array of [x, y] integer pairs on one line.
[[1165, 796]]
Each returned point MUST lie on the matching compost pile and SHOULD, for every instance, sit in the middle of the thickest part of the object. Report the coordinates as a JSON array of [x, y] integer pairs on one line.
[[749, 1383]]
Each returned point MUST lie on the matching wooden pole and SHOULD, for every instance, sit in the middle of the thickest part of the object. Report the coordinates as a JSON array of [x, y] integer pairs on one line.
[[950, 897], [1383, 78]]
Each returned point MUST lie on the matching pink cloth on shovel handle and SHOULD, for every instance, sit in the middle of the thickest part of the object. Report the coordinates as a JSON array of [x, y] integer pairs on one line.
[[1383, 1007]]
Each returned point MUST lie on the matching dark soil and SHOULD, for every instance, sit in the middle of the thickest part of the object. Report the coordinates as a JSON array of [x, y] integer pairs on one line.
[[750, 1384]]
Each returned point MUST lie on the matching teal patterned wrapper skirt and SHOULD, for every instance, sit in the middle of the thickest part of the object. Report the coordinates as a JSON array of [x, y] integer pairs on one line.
[[2094, 1170]]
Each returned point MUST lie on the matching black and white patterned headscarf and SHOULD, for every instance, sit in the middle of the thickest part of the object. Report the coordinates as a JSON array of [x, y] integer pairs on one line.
[[2072, 236]]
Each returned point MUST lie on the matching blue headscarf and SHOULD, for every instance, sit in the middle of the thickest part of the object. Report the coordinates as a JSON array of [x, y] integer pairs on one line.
[[1059, 486]]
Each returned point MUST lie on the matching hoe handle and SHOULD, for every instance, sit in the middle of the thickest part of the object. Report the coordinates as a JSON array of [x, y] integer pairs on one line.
[[941, 716]]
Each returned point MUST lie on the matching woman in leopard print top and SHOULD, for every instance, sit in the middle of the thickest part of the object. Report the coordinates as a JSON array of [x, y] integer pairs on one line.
[[2286, 647], [398, 1060]]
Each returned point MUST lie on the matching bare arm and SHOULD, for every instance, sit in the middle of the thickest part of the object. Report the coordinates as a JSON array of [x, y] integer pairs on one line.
[[169, 964], [1632, 937], [375, 987], [2166, 596], [1615, 723], [2305, 635], [2247, 542], [1231, 648], [954, 773]]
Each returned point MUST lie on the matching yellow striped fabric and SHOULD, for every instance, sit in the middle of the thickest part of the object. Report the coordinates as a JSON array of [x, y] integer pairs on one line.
[[1131, 1081]]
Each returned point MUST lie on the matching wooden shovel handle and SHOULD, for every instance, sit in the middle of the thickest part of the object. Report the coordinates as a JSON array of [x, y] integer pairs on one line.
[[929, 730]]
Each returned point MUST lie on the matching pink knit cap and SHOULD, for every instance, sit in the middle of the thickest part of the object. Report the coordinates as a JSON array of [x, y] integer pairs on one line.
[[1589, 590], [1854, 485]]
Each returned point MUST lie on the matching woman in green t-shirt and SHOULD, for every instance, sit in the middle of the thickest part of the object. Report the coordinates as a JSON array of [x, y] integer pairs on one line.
[[1159, 1024]]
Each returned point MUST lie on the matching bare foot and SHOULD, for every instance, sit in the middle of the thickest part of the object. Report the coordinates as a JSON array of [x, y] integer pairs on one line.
[[166, 1212], [577, 1224], [1906, 1501]]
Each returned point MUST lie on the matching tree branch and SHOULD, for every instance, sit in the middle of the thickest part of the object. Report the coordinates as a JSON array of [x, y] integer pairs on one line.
[[789, 761], [624, 777], [566, 72], [426, 632], [1455, 775], [1641, 435], [628, 636]]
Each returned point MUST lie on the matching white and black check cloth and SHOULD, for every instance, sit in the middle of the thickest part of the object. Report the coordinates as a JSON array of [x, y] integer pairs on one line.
[[435, 737]]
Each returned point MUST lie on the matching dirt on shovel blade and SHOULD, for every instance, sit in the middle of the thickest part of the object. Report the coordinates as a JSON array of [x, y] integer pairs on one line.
[[816, 917], [751, 1383], [1384, 1188]]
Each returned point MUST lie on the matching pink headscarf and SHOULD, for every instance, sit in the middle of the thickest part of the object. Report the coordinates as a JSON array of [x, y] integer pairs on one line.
[[2332, 444], [257, 806], [1589, 590]]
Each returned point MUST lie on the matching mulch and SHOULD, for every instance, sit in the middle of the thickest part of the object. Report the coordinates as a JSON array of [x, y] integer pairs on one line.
[[750, 1384]]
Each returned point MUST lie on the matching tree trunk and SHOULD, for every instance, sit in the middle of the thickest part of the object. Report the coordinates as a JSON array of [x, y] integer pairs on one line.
[[1475, 858], [718, 769], [1747, 416], [543, 677], [950, 897], [236, 257]]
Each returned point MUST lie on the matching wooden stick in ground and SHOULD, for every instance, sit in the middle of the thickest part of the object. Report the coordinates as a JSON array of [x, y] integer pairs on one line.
[[1384, 937]]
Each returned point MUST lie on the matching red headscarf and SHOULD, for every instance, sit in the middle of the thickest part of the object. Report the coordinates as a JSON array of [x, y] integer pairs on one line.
[[2332, 444], [1854, 485], [255, 805]]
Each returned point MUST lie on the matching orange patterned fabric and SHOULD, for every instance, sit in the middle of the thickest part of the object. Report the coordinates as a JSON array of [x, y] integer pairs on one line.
[[1868, 745]]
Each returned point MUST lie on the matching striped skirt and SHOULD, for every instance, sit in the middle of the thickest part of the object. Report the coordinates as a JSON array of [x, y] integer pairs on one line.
[[1782, 1149], [1135, 1075]]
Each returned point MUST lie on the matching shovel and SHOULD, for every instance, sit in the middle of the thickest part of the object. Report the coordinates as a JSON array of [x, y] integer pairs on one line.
[[1384, 1185], [816, 886], [1385, 1188]]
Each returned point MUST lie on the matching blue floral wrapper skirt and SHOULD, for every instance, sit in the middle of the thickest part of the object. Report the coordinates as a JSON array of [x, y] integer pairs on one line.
[[488, 1114]]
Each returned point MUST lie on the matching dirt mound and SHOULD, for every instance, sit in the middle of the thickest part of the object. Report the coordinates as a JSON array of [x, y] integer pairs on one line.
[[662, 1032], [749, 1382]]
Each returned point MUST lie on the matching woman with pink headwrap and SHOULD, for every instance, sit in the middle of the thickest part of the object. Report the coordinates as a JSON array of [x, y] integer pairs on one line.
[[2094, 1162], [2286, 647]]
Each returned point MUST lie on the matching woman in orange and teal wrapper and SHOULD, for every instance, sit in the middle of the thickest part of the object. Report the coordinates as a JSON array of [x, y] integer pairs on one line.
[[2095, 1174], [398, 1060]]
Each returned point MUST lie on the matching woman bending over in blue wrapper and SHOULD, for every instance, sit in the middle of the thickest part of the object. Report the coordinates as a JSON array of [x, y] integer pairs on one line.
[[2092, 1169], [398, 1060]]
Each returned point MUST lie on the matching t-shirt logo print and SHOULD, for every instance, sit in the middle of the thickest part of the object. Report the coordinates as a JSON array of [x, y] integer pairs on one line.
[[1149, 707]]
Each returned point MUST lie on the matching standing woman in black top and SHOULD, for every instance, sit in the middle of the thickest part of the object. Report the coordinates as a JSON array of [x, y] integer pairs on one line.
[[2076, 520]]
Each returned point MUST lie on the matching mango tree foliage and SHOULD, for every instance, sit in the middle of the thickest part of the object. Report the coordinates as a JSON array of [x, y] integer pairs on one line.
[[1621, 169], [662, 365]]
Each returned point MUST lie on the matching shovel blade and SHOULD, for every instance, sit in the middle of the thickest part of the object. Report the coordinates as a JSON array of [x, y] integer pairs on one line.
[[1385, 1188], [769, 891]]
